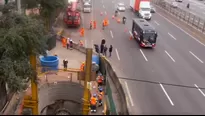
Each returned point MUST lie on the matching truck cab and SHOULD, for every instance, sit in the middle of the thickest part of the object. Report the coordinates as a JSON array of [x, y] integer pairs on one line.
[[144, 33], [145, 10], [72, 16], [142, 8], [87, 7]]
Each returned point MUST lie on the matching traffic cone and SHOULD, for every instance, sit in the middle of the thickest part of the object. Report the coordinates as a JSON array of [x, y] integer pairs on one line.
[[113, 16], [130, 37]]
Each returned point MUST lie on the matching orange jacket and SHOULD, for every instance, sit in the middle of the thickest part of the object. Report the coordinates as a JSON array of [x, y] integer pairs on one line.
[[93, 101]]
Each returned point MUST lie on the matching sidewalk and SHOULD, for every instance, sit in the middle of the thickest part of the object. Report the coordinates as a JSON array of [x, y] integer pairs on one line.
[[75, 58]]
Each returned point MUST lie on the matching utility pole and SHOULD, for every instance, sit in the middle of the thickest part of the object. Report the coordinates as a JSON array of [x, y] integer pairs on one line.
[[88, 70], [19, 6]]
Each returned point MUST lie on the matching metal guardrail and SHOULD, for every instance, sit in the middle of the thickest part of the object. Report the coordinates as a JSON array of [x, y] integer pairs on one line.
[[117, 90], [188, 17]]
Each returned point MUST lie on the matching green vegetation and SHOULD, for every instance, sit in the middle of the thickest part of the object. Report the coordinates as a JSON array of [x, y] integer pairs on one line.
[[47, 8], [20, 36]]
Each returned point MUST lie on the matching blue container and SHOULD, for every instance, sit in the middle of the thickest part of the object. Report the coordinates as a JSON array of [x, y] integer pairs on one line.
[[96, 59], [49, 63]]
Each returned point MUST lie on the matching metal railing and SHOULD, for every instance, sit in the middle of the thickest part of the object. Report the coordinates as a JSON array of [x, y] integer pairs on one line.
[[191, 19]]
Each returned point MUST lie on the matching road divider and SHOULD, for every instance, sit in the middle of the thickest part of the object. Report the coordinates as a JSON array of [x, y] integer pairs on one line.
[[172, 36], [170, 56], [196, 57], [118, 57], [166, 94], [143, 55]]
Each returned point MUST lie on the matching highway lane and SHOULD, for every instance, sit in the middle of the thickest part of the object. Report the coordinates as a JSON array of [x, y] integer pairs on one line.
[[135, 56], [196, 7]]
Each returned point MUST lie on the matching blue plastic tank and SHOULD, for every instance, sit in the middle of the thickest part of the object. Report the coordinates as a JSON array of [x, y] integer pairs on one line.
[[96, 59], [49, 63]]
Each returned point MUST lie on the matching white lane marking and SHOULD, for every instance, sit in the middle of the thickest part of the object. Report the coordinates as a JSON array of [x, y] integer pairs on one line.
[[105, 13], [129, 95], [118, 57], [170, 56], [85, 43], [143, 55], [92, 15], [92, 44], [181, 29], [103, 6], [111, 34], [172, 36], [199, 90], [166, 94], [156, 22], [196, 57]]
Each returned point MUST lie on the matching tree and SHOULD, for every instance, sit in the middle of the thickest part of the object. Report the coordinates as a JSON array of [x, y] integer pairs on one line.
[[48, 8], [20, 36]]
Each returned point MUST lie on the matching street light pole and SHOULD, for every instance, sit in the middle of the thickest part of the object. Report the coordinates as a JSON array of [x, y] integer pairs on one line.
[[19, 6]]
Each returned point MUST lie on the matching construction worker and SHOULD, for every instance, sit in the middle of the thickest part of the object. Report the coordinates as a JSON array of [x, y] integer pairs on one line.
[[100, 97], [65, 64], [64, 42], [93, 103], [91, 25], [94, 24], [100, 80], [82, 32], [82, 66]]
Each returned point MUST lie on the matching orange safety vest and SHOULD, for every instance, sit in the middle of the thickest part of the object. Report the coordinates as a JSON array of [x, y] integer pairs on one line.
[[94, 23], [82, 67], [100, 97], [102, 93], [93, 101]]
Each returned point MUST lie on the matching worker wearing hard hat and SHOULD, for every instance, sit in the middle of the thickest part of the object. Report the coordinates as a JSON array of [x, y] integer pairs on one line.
[[93, 103]]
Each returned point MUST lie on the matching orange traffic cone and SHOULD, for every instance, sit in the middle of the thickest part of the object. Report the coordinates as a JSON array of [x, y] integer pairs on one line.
[[130, 37]]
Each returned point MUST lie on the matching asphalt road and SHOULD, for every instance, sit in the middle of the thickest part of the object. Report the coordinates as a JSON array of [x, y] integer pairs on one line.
[[196, 7], [177, 60]]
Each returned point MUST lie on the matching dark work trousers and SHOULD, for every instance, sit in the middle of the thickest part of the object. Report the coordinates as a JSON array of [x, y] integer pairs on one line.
[[68, 46], [110, 54]]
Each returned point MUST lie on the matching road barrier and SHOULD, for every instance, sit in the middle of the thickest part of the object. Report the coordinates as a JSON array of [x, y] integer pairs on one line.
[[190, 18]]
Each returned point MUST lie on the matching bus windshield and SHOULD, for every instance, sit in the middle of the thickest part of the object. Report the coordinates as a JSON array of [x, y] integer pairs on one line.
[[150, 37]]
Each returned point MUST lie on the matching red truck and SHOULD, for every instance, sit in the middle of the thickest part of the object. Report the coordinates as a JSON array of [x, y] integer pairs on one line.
[[72, 16], [142, 8]]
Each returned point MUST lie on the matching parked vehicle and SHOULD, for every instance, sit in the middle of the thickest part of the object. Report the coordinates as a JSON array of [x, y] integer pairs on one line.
[[72, 17]]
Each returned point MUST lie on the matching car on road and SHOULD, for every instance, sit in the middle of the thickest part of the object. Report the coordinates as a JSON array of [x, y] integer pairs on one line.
[[179, 0], [121, 7], [87, 7], [152, 9], [174, 4]]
